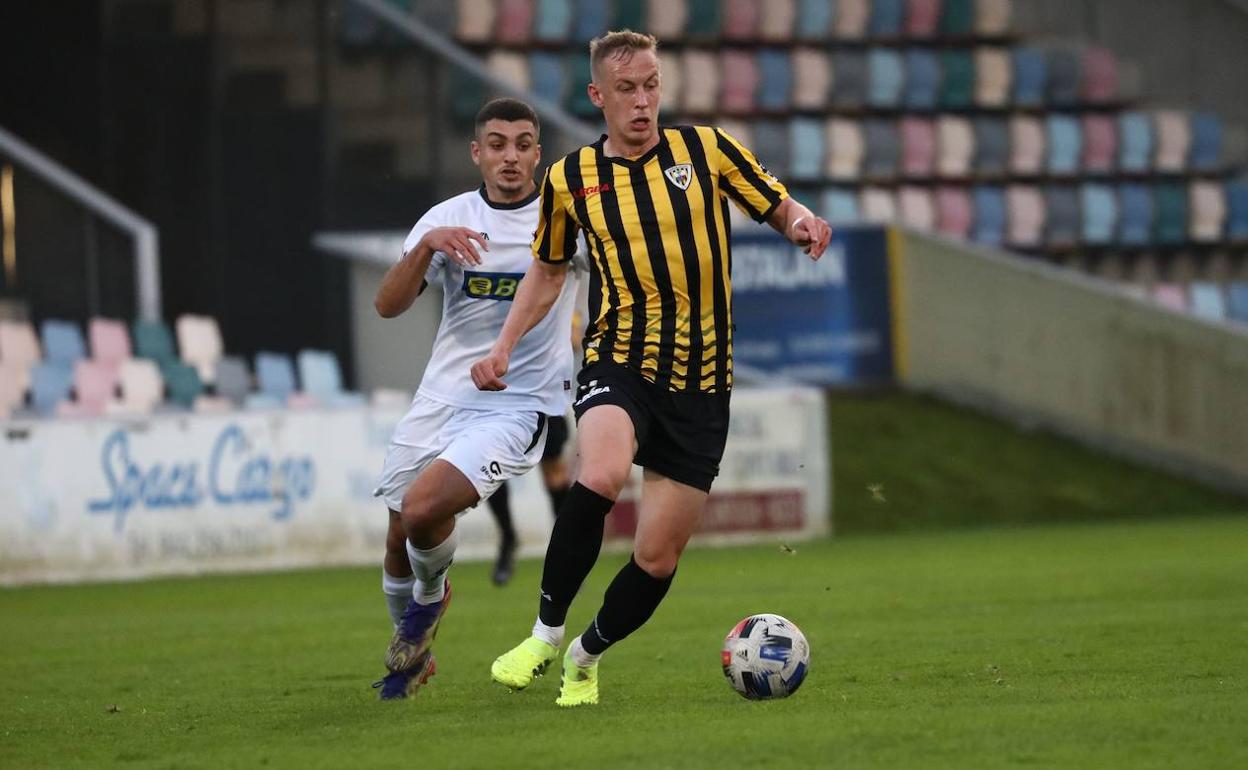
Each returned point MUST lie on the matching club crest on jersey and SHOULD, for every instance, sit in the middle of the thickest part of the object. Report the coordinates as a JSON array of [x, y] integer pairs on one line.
[[680, 175]]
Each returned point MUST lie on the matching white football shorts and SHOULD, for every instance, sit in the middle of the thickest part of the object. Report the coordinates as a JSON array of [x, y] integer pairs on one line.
[[488, 447]]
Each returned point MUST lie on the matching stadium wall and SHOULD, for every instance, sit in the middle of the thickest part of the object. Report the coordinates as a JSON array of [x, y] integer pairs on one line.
[[1070, 353]]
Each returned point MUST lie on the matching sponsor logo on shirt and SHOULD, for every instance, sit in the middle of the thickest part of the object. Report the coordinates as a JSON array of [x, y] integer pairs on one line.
[[498, 286], [585, 192]]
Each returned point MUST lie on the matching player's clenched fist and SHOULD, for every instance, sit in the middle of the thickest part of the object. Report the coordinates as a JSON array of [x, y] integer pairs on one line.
[[487, 373], [458, 243]]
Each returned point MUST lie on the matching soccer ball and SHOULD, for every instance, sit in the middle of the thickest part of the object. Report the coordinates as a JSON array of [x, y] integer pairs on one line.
[[765, 656]]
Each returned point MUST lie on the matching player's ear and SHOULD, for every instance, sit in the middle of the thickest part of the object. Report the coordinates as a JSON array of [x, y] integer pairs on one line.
[[537, 153], [595, 96], [476, 152]]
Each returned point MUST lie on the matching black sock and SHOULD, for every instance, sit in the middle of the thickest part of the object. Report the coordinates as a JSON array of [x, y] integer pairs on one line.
[[557, 496], [574, 545], [500, 508], [630, 600]]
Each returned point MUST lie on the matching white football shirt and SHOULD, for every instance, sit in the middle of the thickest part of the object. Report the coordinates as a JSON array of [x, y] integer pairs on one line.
[[475, 304]]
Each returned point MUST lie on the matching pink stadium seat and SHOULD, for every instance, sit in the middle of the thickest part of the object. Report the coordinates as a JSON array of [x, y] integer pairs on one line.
[[1207, 203], [812, 78], [993, 76], [1100, 75], [95, 383], [740, 20], [851, 19], [739, 130], [992, 17], [475, 20], [1025, 205], [846, 148], [109, 340], [775, 24], [14, 382], [673, 80], [918, 147], [922, 18], [1100, 144], [515, 20], [142, 388], [916, 209], [955, 146], [1174, 140], [701, 81], [954, 212], [877, 205], [19, 345], [1171, 295], [666, 19], [1026, 145], [739, 79], [199, 344]]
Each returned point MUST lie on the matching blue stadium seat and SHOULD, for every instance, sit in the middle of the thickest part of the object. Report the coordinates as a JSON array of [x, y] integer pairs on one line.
[[1064, 141], [62, 342], [840, 206], [1237, 210], [1237, 304], [592, 18], [275, 376], [814, 19], [1061, 222], [1208, 301], [992, 146], [1135, 222], [1135, 143], [882, 149], [806, 138], [922, 79], [990, 215], [887, 19], [50, 383], [553, 21], [1063, 79], [358, 26], [549, 75], [1170, 214], [849, 80], [1206, 151], [776, 83], [886, 74], [1030, 73], [771, 143], [322, 379], [1100, 213]]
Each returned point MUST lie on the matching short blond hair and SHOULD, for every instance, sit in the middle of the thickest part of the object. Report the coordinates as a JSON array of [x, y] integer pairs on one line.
[[623, 40]]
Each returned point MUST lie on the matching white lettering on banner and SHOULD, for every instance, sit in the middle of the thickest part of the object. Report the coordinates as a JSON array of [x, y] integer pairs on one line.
[[824, 342], [756, 267]]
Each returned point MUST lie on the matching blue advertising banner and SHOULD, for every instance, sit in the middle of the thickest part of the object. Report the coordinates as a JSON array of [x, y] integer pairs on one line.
[[820, 323]]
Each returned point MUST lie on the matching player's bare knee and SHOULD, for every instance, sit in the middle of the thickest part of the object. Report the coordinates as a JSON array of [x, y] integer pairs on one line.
[[419, 512], [657, 562], [606, 481]]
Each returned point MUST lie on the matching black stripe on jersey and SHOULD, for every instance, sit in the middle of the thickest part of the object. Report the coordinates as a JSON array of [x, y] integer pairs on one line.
[[624, 255], [747, 172], [697, 154], [611, 331], [689, 251], [646, 213], [548, 208]]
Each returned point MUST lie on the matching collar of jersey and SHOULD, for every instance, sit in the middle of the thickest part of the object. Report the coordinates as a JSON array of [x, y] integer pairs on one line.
[[508, 206], [640, 160]]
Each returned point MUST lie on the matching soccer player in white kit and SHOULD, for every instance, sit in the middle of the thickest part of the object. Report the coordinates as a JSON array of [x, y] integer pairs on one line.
[[457, 443]]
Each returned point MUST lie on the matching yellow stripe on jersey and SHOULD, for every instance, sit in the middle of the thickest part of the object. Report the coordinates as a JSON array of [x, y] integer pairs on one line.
[[660, 295]]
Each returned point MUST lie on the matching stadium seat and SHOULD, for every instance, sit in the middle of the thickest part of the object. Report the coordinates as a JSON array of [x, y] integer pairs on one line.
[[775, 24], [18, 344], [957, 83], [1063, 84], [511, 66], [475, 20], [845, 148], [992, 77], [50, 384], [275, 377], [922, 87], [955, 146], [922, 19], [437, 14], [141, 388], [1027, 152], [199, 342], [672, 66], [814, 20], [1237, 210], [1100, 75], [549, 73], [877, 205], [1206, 149], [62, 342], [95, 386], [1207, 202], [990, 216], [514, 22], [776, 80], [14, 382], [579, 75], [771, 143], [851, 19], [992, 147], [916, 209], [1100, 144], [322, 379], [628, 14], [701, 79], [886, 75], [467, 92], [1064, 143], [1208, 301], [807, 141], [703, 23], [849, 80], [740, 22], [840, 206], [1170, 219], [183, 383], [1237, 302], [918, 147], [812, 79], [233, 381], [110, 343], [887, 19], [1061, 221], [357, 26], [882, 150], [1030, 73], [590, 19], [739, 79], [1100, 213], [1025, 207], [153, 340], [1174, 141], [992, 18], [666, 19], [1135, 143], [957, 18], [741, 131], [1135, 222], [1170, 295], [554, 20], [954, 215]]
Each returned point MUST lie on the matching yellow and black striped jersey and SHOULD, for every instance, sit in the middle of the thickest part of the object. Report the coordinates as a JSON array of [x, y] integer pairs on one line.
[[660, 292]]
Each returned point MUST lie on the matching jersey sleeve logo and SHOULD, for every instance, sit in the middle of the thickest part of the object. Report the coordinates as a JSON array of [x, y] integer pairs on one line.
[[680, 175], [499, 286]]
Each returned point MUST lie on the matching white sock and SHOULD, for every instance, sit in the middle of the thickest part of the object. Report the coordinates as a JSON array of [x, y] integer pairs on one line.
[[552, 635], [429, 567], [579, 656], [398, 591]]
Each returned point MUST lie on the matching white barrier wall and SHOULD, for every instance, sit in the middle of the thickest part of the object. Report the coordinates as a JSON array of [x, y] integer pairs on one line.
[[105, 499]]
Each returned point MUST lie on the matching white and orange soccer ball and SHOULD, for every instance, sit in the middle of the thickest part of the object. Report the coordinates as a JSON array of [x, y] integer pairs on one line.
[[766, 656]]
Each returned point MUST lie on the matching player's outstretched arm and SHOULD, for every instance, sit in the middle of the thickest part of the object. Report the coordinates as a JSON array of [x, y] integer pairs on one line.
[[404, 282], [537, 293], [801, 227]]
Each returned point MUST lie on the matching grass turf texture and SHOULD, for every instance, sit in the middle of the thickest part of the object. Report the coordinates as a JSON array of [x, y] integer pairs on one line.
[[1075, 645]]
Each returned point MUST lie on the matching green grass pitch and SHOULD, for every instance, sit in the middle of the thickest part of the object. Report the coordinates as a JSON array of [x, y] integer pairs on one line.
[[1071, 645]]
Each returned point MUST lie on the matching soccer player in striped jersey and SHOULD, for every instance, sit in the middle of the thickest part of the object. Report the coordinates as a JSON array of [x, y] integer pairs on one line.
[[654, 389]]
